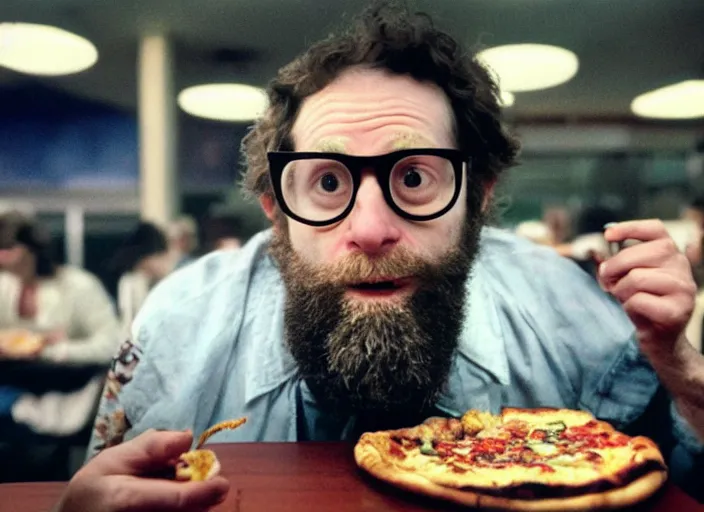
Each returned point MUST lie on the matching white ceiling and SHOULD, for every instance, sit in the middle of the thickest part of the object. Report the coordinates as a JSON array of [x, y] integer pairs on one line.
[[626, 47]]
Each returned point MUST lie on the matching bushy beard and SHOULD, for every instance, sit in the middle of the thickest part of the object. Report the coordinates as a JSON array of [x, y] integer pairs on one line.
[[365, 356]]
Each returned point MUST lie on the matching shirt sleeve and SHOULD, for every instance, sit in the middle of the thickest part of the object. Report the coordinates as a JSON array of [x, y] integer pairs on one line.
[[685, 434], [631, 386], [112, 423]]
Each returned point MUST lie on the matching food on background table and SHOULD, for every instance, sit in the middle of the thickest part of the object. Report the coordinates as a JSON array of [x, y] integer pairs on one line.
[[20, 343], [521, 459]]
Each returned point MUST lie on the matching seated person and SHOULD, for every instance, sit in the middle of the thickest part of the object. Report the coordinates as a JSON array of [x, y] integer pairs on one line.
[[66, 305], [695, 213], [142, 261], [380, 297], [57, 313], [223, 232], [183, 241]]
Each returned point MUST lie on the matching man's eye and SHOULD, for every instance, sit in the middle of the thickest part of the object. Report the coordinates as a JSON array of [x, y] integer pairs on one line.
[[412, 178], [329, 182]]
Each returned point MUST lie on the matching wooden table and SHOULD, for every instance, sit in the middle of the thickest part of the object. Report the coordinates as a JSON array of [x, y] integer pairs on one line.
[[305, 477]]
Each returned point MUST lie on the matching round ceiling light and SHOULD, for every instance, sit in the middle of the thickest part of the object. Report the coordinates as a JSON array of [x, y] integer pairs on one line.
[[683, 100], [507, 99], [529, 67], [224, 102], [44, 50]]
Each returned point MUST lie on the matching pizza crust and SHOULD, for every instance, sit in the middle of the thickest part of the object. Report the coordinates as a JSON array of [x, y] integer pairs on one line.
[[544, 415], [370, 458]]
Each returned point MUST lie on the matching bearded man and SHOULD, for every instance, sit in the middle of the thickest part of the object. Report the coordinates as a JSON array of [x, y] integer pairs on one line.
[[380, 297]]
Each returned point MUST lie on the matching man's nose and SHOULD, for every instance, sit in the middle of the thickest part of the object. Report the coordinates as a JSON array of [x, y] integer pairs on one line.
[[372, 225]]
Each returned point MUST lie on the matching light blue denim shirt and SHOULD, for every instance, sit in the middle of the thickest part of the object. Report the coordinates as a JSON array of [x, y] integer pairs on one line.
[[209, 345]]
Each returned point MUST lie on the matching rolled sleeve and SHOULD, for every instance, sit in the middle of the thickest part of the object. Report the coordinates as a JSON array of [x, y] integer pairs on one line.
[[624, 392], [685, 434]]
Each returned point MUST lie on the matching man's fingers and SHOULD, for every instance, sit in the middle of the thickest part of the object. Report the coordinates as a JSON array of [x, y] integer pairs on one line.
[[643, 230], [650, 281], [153, 495], [653, 254], [645, 308], [150, 452]]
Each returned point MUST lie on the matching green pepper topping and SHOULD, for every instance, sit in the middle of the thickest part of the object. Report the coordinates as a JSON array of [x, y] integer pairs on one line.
[[556, 426], [427, 448]]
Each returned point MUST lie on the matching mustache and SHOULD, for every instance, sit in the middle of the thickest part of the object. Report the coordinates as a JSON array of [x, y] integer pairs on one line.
[[358, 267]]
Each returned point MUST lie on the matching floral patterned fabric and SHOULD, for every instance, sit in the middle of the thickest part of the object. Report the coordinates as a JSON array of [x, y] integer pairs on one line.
[[112, 423]]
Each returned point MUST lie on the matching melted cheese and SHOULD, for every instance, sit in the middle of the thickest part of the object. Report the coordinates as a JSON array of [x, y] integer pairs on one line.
[[544, 449]]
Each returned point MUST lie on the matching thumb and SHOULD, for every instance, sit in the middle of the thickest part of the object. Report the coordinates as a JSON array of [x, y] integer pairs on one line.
[[149, 452]]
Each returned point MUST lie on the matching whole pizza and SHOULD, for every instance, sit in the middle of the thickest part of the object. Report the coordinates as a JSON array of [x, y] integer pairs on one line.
[[521, 459]]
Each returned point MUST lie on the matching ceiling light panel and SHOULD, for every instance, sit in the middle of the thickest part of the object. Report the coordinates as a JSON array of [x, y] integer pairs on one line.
[[44, 50], [683, 100], [224, 102], [530, 67]]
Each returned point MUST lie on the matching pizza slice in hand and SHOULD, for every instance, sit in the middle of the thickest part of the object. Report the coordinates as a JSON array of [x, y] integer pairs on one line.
[[198, 465]]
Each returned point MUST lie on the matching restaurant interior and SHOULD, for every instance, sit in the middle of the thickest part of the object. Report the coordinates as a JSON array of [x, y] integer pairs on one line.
[[116, 113]]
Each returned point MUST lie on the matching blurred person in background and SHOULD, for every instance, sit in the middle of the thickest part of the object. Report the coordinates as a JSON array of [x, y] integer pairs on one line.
[[142, 261], [183, 240], [62, 313], [695, 211], [223, 231], [559, 222], [67, 306], [695, 329], [536, 231], [588, 247]]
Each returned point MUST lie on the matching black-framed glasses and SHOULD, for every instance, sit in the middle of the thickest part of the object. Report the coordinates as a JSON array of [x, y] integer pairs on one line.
[[320, 189]]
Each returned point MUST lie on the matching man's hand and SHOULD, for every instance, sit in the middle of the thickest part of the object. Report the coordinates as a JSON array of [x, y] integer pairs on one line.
[[118, 479], [653, 281]]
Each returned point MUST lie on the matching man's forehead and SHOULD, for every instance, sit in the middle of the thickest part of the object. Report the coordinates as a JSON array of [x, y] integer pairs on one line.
[[395, 141], [369, 106]]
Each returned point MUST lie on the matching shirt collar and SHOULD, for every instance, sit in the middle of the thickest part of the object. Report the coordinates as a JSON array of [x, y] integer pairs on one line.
[[481, 340], [270, 364]]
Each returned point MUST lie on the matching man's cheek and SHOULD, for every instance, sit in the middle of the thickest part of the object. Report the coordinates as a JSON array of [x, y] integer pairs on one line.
[[309, 246]]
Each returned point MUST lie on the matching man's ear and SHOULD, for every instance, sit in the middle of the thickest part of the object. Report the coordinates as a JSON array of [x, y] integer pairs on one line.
[[488, 195], [267, 203]]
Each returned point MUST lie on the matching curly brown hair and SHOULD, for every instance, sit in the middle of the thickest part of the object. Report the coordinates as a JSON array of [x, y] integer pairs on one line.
[[387, 36]]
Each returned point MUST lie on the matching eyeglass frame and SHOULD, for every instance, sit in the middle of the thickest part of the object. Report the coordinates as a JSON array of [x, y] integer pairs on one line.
[[382, 165]]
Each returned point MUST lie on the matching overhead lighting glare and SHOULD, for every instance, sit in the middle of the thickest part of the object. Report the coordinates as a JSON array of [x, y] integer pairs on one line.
[[683, 100], [44, 50], [224, 102], [529, 67], [507, 99]]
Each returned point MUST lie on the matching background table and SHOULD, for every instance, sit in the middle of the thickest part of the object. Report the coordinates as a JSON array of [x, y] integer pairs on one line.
[[37, 376], [305, 477], [51, 457]]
